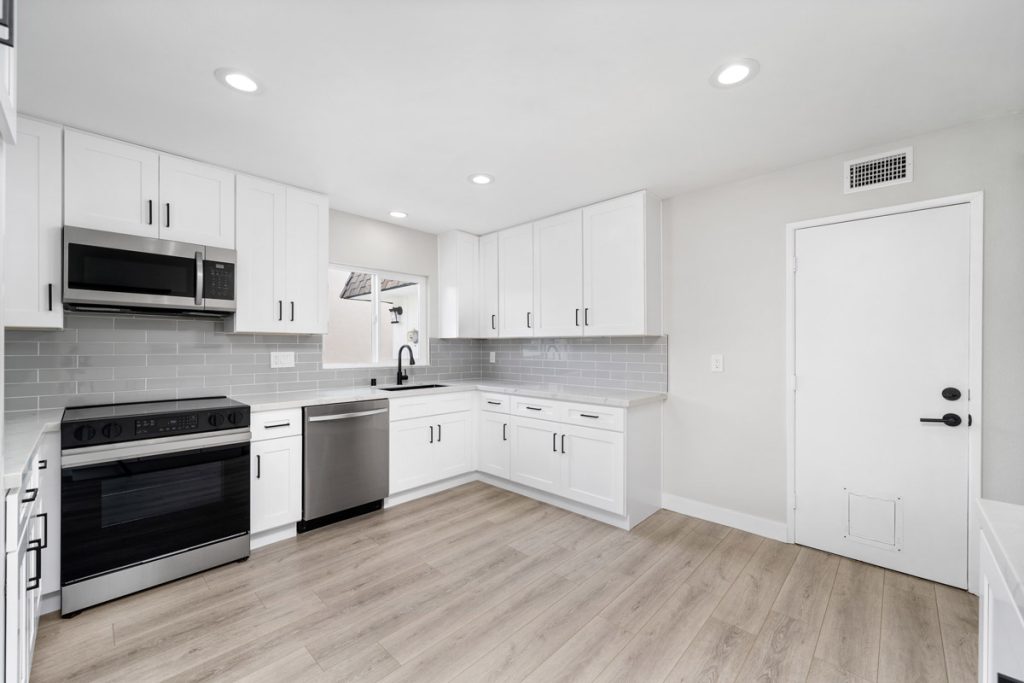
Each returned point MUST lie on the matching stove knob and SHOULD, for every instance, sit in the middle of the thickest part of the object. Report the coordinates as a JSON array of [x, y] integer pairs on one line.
[[112, 430], [84, 433], [216, 419], [235, 418]]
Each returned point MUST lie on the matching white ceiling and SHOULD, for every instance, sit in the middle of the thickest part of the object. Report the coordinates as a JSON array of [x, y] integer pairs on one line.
[[391, 104]]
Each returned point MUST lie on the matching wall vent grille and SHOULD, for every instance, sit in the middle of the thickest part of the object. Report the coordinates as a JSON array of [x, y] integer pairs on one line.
[[879, 170]]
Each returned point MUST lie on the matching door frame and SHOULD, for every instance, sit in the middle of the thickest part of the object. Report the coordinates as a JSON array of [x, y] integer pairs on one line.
[[974, 385]]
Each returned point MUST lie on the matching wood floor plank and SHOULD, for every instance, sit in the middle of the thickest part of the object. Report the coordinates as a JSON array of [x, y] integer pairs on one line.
[[747, 603], [911, 645], [724, 564], [584, 655], [958, 619], [716, 654], [805, 593], [782, 652], [851, 629], [824, 672]]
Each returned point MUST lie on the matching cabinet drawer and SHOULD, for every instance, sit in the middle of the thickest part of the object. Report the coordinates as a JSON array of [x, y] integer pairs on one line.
[[274, 424], [538, 408], [494, 403], [430, 404], [601, 417]]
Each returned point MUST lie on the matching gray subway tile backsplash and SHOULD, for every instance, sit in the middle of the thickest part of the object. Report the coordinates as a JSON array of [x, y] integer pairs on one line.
[[102, 359]]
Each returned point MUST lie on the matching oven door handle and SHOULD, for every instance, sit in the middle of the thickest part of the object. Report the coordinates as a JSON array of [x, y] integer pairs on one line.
[[97, 455]]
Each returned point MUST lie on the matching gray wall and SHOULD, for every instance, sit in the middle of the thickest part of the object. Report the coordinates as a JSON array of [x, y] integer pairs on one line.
[[725, 258]]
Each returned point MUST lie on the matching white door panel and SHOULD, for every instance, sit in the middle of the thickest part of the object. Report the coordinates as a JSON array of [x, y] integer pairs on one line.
[[489, 285], [882, 327], [260, 273], [535, 460], [515, 281], [306, 253], [276, 483], [592, 466], [614, 273], [558, 275], [197, 203], [494, 447]]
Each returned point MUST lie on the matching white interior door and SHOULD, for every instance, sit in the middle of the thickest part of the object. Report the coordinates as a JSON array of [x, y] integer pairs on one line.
[[882, 328]]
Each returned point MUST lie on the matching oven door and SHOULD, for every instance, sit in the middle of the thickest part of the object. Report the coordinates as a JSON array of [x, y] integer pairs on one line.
[[122, 511], [111, 269]]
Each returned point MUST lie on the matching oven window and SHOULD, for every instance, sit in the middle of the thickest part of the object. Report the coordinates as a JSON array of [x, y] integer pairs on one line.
[[155, 494], [120, 270]]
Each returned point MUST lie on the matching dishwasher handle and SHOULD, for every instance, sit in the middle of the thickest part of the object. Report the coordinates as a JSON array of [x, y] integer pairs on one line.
[[345, 416]]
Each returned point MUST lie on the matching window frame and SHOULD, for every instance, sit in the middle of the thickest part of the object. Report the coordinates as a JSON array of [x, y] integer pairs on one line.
[[424, 318]]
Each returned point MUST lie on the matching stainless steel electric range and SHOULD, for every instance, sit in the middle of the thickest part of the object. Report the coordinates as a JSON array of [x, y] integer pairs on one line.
[[150, 492]]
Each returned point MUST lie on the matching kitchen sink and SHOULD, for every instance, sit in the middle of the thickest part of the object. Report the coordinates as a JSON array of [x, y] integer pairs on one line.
[[408, 387]]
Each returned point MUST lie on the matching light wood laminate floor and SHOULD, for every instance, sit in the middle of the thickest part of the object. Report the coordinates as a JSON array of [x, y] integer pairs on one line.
[[479, 584]]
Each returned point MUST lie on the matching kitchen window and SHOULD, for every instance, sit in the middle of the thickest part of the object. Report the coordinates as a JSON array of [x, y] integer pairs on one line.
[[371, 315]]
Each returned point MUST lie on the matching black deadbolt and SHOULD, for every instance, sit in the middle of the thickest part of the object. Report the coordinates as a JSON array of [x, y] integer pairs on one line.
[[951, 394]]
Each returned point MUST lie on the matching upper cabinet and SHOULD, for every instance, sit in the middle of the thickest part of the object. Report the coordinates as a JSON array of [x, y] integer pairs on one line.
[[457, 263], [593, 272], [32, 243], [197, 202], [110, 185], [282, 259], [115, 186], [515, 281]]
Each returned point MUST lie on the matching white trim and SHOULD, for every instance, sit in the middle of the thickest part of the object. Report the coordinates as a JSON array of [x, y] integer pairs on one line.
[[429, 489], [268, 536], [762, 526], [611, 518], [976, 202]]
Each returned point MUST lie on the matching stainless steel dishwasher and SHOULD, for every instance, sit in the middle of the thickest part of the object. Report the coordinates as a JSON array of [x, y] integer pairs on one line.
[[344, 461]]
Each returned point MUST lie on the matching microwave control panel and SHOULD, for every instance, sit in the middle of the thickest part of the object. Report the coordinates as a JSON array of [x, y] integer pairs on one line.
[[218, 280]]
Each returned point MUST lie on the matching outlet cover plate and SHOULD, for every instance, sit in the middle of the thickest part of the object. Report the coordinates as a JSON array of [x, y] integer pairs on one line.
[[282, 359]]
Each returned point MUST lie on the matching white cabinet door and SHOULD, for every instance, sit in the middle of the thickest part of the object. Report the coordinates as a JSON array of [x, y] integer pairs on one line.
[[260, 285], [592, 462], [458, 285], [412, 446], [494, 444], [32, 243], [614, 273], [535, 460], [197, 203], [276, 483], [49, 495], [110, 185], [558, 275], [305, 306], [453, 454], [515, 281], [489, 313]]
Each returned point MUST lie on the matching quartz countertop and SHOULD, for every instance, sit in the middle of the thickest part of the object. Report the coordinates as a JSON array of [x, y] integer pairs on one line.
[[22, 433], [1003, 524], [609, 397]]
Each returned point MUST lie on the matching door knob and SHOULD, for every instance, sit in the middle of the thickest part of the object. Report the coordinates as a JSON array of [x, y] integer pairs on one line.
[[949, 419], [951, 394]]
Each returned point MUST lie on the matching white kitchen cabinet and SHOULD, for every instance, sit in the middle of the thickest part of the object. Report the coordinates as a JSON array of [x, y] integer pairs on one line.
[[622, 287], [558, 275], [32, 243], [457, 291], [428, 449], [515, 281], [490, 315], [534, 458], [24, 539], [454, 445], [197, 202], [1000, 624], [494, 444], [110, 185], [281, 239], [275, 483], [49, 497], [592, 462]]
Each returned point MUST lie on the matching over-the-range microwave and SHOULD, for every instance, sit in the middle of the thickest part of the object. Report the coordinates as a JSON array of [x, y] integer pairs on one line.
[[117, 272]]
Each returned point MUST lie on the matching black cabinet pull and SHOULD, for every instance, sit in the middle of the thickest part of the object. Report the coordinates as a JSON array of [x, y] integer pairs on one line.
[[494, 403], [592, 417], [168, 205], [43, 464], [563, 443], [258, 466], [45, 516], [504, 432], [528, 320], [554, 443], [577, 317], [34, 546], [586, 316], [439, 433], [32, 495], [431, 433], [532, 408], [280, 309], [492, 322], [293, 311], [49, 296], [149, 221], [286, 423]]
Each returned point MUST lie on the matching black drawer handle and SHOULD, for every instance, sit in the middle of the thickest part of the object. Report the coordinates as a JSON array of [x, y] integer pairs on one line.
[[32, 495], [592, 417], [494, 403], [532, 408], [278, 424]]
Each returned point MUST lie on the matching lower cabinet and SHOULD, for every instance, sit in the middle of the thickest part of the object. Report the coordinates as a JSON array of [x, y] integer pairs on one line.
[[1000, 625], [579, 463], [275, 483], [429, 449], [25, 536], [495, 444]]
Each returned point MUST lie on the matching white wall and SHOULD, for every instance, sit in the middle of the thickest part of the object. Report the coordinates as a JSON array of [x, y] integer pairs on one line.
[[725, 285], [375, 245]]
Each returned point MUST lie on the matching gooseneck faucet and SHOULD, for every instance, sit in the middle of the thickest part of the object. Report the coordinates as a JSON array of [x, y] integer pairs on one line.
[[412, 361]]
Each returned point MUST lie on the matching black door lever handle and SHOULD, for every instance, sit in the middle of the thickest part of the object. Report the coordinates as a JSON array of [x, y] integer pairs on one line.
[[949, 419]]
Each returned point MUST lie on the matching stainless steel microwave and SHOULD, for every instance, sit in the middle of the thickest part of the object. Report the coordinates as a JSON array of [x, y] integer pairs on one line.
[[114, 271]]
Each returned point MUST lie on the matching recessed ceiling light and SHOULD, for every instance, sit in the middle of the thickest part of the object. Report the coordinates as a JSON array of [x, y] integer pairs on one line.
[[481, 179], [398, 214], [233, 78], [735, 72]]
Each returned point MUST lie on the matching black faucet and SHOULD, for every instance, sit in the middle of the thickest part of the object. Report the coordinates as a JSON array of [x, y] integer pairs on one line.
[[412, 361]]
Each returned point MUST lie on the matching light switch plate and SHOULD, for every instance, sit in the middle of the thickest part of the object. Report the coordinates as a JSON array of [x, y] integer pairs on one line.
[[282, 359], [717, 363], [492, 356]]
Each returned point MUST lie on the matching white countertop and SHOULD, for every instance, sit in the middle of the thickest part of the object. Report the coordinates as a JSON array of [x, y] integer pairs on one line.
[[24, 430], [1003, 524]]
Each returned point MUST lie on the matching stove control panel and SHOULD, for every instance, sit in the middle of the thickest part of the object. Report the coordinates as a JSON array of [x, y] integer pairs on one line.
[[134, 428], [166, 425]]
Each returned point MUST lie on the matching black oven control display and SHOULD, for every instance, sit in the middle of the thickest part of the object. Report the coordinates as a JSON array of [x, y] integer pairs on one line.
[[218, 280], [166, 424]]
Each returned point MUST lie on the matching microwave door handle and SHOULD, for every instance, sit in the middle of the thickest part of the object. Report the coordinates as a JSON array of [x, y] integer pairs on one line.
[[199, 278]]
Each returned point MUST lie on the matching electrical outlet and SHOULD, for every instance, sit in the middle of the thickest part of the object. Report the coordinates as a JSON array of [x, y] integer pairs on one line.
[[492, 356], [717, 363], [282, 359]]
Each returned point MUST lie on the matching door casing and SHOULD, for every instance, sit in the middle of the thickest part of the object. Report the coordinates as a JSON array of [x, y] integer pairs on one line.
[[974, 385]]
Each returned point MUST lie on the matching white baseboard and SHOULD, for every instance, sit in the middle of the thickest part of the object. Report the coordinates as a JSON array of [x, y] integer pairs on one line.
[[50, 602], [743, 521], [262, 538], [429, 489], [559, 502]]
